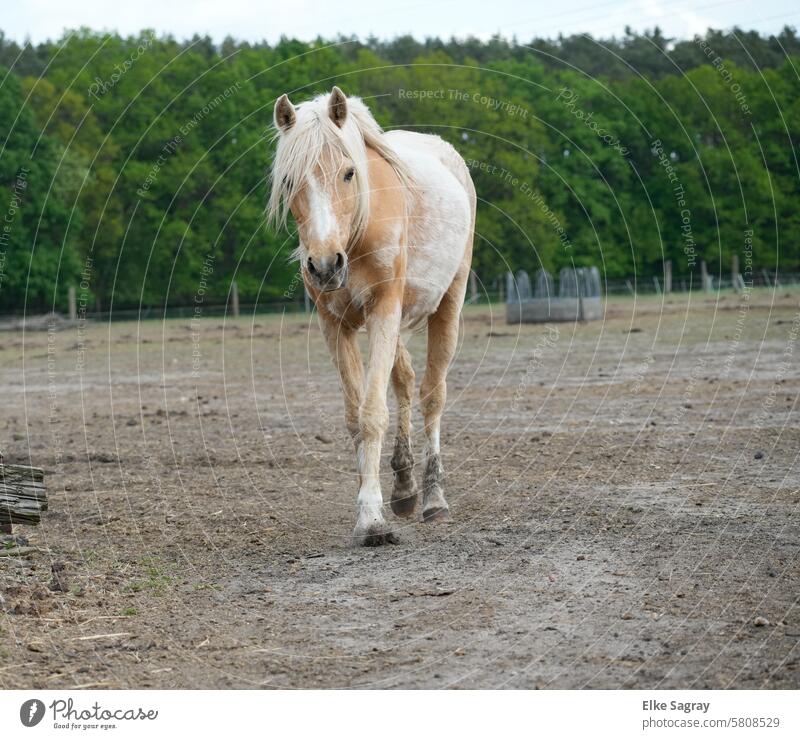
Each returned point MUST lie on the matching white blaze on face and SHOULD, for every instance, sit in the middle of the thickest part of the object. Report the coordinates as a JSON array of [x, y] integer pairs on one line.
[[321, 218]]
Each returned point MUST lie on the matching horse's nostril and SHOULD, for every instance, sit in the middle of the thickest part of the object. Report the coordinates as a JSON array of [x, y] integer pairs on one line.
[[339, 260], [311, 267]]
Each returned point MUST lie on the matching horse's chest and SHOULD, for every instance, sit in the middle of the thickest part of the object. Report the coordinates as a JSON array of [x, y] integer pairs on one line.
[[347, 305]]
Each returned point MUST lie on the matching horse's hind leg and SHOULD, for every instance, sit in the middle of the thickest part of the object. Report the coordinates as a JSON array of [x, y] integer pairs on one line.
[[442, 342], [404, 494]]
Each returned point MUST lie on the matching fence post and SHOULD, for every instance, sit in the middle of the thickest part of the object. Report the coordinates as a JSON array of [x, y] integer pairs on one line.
[[667, 277], [73, 304], [735, 272], [235, 299], [658, 287], [704, 276], [473, 287], [306, 299]]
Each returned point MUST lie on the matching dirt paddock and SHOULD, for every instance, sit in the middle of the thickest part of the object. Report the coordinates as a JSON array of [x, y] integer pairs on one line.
[[624, 496]]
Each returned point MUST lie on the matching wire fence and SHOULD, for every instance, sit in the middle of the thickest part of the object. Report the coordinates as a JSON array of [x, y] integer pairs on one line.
[[494, 292], [654, 284]]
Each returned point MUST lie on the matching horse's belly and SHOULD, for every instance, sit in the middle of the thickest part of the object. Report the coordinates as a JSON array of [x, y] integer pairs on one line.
[[434, 257], [421, 301], [431, 269]]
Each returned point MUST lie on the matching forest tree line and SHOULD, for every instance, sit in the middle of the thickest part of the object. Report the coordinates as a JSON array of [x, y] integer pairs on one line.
[[136, 167]]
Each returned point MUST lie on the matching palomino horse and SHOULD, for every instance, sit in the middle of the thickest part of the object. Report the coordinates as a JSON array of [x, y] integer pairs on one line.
[[386, 223]]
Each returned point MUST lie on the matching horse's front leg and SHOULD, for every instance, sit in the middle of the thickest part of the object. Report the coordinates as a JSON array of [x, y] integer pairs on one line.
[[343, 347], [383, 328]]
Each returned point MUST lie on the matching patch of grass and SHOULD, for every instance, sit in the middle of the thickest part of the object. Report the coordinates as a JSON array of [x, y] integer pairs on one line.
[[205, 586], [155, 580], [129, 611], [89, 555]]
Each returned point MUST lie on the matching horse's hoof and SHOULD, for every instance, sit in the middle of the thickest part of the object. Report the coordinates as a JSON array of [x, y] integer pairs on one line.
[[375, 537], [378, 540], [405, 506], [436, 515]]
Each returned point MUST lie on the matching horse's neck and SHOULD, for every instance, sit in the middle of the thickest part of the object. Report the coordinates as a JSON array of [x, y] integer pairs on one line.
[[387, 211]]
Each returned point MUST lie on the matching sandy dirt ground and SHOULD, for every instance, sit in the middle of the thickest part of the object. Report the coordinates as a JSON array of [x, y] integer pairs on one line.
[[624, 496]]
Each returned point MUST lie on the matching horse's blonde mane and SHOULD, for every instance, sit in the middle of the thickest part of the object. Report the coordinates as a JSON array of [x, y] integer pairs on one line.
[[301, 147]]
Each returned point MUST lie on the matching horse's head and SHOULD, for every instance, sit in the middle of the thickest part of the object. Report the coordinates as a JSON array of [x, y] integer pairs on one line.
[[319, 172]]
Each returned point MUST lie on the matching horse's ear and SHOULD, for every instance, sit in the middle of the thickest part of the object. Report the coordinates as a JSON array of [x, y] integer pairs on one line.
[[284, 113], [337, 106]]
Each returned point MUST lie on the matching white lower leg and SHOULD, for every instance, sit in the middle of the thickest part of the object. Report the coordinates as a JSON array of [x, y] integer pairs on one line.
[[370, 499], [433, 430], [382, 327], [433, 500]]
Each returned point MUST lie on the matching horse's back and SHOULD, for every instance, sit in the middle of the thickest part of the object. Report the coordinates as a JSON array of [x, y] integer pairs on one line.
[[440, 222], [425, 149]]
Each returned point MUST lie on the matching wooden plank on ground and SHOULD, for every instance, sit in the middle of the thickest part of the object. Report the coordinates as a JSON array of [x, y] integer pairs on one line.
[[23, 498]]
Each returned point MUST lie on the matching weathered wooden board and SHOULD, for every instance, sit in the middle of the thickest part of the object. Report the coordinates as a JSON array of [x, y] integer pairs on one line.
[[23, 498]]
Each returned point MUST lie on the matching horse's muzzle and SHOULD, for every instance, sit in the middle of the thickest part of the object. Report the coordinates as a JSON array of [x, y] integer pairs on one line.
[[328, 273]]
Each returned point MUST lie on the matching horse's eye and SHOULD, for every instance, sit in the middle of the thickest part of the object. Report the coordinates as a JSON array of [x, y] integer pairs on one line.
[[349, 174]]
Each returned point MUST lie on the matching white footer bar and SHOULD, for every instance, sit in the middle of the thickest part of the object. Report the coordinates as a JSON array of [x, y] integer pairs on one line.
[[406, 714]]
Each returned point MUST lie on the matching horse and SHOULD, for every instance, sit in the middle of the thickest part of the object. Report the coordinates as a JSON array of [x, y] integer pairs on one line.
[[385, 223]]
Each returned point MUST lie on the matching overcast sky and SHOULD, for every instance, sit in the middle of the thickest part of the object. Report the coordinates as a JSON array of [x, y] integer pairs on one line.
[[305, 19]]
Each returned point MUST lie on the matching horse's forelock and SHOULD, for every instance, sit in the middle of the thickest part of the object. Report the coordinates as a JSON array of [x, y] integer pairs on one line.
[[300, 149]]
